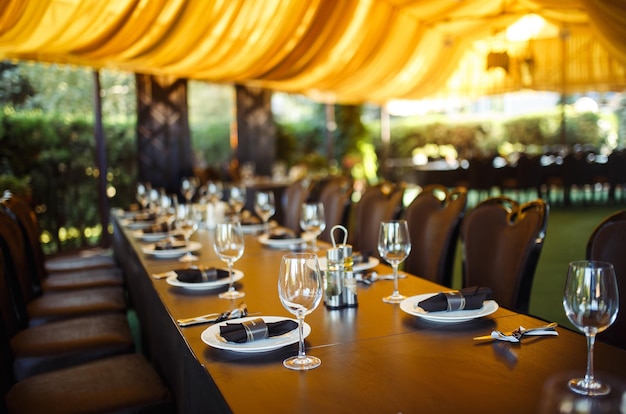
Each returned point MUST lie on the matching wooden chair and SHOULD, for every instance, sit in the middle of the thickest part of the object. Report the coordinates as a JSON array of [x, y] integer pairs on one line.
[[91, 275], [335, 195], [292, 199], [434, 218], [607, 243], [46, 306], [54, 345], [502, 241], [377, 204]]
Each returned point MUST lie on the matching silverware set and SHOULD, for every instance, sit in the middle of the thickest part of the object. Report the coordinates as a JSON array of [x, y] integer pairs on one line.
[[239, 312]]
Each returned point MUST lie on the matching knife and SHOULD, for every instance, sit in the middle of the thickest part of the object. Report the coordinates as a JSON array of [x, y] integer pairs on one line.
[[238, 312]]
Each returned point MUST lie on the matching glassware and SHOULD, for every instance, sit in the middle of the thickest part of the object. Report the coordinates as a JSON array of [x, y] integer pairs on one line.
[[187, 224], [237, 198], [188, 187], [229, 246], [265, 207], [394, 245], [300, 292], [312, 220], [591, 303], [143, 194], [214, 191]]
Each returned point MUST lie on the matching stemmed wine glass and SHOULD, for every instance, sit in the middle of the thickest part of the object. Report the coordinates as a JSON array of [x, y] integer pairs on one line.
[[143, 194], [214, 191], [312, 220], [591, 303], [394, 245], [229, 246], [237, 198], [300, 291], [187, 223], [188, 188], [265, 207]]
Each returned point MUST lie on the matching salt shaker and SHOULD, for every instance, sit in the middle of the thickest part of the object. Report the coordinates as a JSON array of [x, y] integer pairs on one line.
[[350, 299]]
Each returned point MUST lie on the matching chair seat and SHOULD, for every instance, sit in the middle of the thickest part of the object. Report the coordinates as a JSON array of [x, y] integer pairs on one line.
[[69, 342], [99, 277], [54, 305], [123, 383], [79, 262]]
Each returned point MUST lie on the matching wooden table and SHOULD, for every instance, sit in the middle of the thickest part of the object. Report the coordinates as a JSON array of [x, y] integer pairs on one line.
[[375, 358]]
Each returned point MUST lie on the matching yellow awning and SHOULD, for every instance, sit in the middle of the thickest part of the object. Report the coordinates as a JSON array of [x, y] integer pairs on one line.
[[347, 51]]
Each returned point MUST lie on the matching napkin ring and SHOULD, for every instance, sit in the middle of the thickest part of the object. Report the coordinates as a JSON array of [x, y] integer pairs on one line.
[[456, 300], [255, 329]]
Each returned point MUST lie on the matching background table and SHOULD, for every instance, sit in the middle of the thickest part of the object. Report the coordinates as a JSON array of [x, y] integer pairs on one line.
[[375, 358]]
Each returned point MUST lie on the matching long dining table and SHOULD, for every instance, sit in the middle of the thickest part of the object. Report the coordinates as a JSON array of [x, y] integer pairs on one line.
[[376, 358]]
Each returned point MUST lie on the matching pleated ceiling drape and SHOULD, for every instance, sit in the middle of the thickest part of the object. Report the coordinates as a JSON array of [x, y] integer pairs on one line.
[[346, 51]]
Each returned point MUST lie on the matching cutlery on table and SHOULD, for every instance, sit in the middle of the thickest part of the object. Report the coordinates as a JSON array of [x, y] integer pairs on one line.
[[517, 334], [371, 277], [239, 312]]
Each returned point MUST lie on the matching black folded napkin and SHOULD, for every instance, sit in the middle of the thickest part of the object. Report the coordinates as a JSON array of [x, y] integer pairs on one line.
[[464, 299], [250, 220], [255, 329], [145, 217], [169, 244], [195, 275], [157, 228], [283, 234]]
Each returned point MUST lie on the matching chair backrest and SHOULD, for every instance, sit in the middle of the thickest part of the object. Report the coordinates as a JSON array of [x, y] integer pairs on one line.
[[502, 241], [294, 196], [8, 317], [21, 212], [377, 204], [434, 218], [607, 243], [335, 196]]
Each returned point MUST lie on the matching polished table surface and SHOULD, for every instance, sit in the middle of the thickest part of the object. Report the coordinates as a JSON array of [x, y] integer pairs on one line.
[[375, 358]]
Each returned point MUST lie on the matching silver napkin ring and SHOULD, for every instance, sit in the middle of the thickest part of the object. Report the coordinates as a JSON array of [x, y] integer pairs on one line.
[[255, 329], [456, 300]]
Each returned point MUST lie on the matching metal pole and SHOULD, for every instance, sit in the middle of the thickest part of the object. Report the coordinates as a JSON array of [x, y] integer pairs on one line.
[[101, 163]]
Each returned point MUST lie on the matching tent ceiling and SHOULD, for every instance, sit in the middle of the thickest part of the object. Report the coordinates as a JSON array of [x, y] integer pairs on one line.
[[331, 50]]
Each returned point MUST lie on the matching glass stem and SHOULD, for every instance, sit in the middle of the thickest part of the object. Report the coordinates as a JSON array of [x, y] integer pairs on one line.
[[395, 278], [301, 353], [231, 288], [591, 340]]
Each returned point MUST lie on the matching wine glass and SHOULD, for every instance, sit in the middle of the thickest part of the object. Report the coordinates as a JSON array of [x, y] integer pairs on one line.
[[214, 191], [188, 187], [143, 194], [229, 245], [237, 198], [300, 291], [591, 303], [312, 221], [394, 245], [187, 224], [265, 207]]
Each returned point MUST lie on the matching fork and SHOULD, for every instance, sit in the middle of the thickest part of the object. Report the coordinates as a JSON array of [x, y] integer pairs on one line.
[[516, 335]]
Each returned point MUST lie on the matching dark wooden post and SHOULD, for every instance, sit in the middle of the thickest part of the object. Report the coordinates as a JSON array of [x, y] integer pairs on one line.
[[163, 138], [256, 130]]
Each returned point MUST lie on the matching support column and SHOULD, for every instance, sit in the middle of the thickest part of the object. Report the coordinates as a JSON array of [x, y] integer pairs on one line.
[[164, 144]]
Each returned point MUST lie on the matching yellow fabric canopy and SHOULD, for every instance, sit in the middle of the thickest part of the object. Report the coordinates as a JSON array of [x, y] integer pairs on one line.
[[346, 51]]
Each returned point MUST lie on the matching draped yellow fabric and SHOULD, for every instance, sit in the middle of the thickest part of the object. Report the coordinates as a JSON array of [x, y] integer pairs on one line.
[[347, 51]]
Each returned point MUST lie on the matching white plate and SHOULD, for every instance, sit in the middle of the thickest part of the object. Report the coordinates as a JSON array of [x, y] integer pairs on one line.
[[169, 253], [137, 225], [149, 237], [172, 280], [252, 228], [304, 237], [372, 262], [211, 336], [408, 305]]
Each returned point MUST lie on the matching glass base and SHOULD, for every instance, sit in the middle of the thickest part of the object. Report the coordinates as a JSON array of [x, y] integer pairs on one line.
[[394, 298], [302, 363], [188, 258], [590, 388], [231, 294]]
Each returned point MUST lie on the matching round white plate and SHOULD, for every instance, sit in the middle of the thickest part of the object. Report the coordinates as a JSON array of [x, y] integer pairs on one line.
[[409, 306], [137, 225], [211, 336], [149, 237], [304, 237], [169, 253], [372, 262], [252, 228], [172, 280]]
